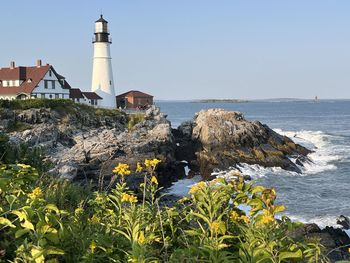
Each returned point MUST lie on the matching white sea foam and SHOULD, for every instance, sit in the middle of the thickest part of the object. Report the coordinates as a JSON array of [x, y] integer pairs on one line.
[[326, 151], [181, 187]]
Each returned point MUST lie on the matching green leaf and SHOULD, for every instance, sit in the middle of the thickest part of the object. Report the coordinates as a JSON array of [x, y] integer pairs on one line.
[[54, 251], [11, 199], [21, 215], [258, 189], [279, 209], [6, 222], [296, 254], [28, 225], [53, 237], [21, 232], [52, 207]]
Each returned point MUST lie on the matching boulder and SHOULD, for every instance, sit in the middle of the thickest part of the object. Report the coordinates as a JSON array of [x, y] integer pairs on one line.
[[217, 138]]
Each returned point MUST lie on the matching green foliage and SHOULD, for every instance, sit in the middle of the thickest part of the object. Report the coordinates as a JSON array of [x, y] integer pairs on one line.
[[22, 153], [63, 106], [134, 119], [58, 221]]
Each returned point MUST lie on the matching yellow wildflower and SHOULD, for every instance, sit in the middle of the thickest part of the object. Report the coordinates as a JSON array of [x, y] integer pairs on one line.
[[217, 227], [152, 163], [94, 219], [141, 240], [266, 217], [36, 193], [154, 180], [93, 246], [139, 168], [197, 187], [122, 169], [234, 216], [78, 211], [24, 166], [245, 219], [129, 198]]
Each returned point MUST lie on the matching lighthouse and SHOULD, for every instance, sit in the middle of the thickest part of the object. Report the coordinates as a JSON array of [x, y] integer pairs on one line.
[[102, 74]]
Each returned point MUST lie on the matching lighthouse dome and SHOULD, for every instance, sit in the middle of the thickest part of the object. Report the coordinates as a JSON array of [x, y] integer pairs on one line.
[[101, 19]]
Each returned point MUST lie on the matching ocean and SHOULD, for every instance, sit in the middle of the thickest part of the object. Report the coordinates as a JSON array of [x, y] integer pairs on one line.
[[321, 193]]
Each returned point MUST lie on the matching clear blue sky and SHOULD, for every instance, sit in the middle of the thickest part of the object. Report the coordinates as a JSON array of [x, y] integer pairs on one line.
[[190, 49]]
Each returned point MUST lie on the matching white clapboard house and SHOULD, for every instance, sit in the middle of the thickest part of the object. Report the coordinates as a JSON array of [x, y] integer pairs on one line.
[[40, 81]]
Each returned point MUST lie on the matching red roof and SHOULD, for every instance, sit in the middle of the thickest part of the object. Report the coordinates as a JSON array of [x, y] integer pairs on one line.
[[31, 77], [75, 94], [133, 93], [91, 96]]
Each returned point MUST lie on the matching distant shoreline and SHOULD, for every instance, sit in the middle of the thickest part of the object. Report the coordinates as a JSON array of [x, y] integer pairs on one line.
[[219, 101]]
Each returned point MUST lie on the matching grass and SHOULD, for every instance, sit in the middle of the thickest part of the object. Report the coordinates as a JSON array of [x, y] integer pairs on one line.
[[134, 119]]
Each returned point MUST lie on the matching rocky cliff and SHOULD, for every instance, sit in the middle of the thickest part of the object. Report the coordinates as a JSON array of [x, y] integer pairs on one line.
[[84, 143]]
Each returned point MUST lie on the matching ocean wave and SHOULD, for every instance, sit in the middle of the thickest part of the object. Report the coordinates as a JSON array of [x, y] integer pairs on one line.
[[327, 149]]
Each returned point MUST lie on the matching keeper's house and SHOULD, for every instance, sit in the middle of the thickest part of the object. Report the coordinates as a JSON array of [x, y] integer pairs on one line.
[[40, 81]]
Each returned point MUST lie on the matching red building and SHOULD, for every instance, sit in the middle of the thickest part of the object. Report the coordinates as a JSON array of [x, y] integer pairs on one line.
[[134, 99]]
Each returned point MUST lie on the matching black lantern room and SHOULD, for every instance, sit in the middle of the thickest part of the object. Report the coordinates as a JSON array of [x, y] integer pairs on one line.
[[101, 31]]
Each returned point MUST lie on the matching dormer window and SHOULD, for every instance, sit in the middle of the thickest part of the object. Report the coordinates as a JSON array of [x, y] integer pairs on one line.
[[29, 80], [50, 73]]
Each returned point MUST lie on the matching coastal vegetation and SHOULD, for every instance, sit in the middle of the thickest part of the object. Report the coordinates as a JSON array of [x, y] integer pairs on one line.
[[63, 106], [53, 220]]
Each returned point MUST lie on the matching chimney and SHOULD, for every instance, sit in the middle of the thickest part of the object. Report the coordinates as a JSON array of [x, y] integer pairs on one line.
[[38, 63], [12, 65]]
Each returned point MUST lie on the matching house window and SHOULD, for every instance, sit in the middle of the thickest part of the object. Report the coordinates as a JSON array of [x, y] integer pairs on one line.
[[46, 84], [43, 96], [50, 96], [50, 73], [53, 84], [57, 96]]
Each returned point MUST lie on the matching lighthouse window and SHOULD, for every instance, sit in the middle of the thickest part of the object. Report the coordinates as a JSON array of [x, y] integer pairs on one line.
[[110, 82]]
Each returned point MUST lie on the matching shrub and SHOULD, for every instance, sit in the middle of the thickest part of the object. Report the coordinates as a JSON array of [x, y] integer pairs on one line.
[[37, 225]]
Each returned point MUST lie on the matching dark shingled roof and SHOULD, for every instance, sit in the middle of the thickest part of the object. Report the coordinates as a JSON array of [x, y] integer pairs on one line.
[[91, 96], [75, 94], [133, 93]]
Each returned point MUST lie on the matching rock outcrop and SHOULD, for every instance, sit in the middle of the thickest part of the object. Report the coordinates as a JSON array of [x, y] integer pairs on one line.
[[83, 145], [218, 138]]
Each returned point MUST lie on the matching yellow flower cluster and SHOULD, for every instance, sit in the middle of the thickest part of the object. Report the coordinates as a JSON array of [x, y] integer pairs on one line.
[[194, 189], [129, 198], [235, 217], [152, 163], [36, 193], [266, 217], [141, 239], [154, 180], [217, 226], [122, 169], [139, 168]]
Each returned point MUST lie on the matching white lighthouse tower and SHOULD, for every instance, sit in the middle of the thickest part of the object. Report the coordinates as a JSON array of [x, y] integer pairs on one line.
[[102, 74]]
